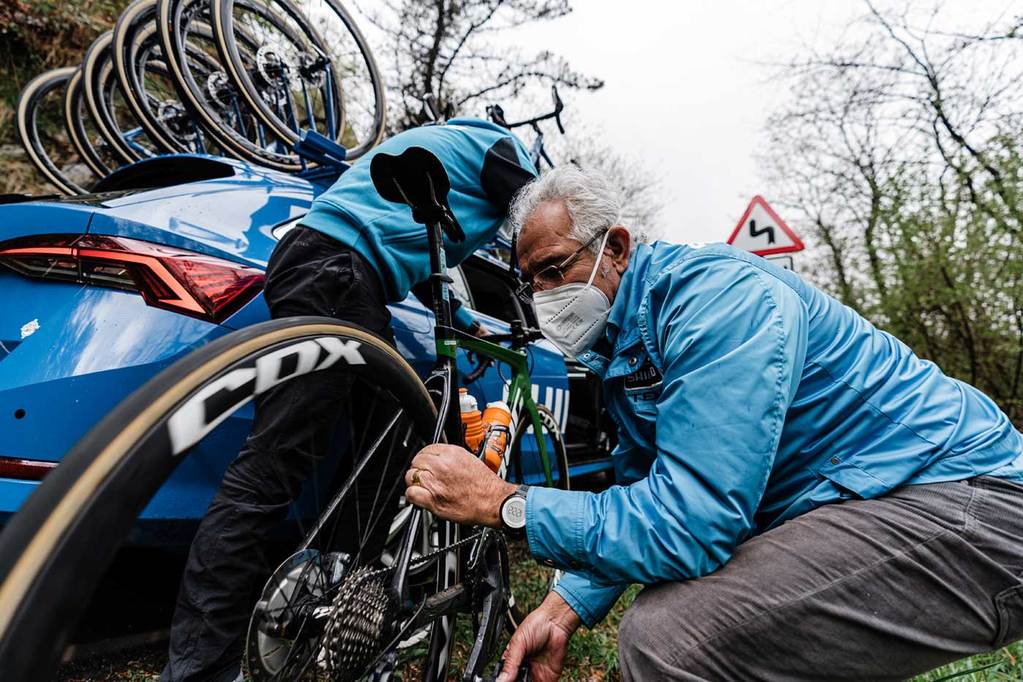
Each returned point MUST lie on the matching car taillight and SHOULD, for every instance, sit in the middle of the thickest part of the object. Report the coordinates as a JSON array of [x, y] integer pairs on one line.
[[25, 469], [183, 281]]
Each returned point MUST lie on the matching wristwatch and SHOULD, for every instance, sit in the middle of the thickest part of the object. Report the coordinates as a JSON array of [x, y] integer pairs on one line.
[[513, 513]]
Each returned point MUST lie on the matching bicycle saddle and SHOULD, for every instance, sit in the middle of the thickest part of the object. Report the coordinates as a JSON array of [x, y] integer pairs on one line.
[[416, 177]]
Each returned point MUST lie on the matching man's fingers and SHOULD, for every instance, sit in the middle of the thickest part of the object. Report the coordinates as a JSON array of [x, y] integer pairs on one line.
[[512, 658], [422, 459], [419, 496], [429, 457], [410, 477]]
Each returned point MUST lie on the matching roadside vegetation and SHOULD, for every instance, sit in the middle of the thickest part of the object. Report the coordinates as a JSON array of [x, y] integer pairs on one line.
[[899, 155], [37, 35]]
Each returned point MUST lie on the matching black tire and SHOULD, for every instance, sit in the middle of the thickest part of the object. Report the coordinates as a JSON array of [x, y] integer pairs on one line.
[[100, 158], [57, 547], [520, 602], [32, 108], [361, 115], [99, 95]]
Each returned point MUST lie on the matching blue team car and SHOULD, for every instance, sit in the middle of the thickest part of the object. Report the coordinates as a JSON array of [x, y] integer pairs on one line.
[[100, 292]]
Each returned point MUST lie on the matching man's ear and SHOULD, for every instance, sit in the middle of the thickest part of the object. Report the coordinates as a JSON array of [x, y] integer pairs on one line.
[[619, 241]]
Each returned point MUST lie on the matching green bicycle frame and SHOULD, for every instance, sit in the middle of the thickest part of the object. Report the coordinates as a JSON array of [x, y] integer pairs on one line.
[[520, 395]]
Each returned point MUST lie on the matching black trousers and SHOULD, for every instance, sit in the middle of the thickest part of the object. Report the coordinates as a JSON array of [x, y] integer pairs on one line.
[[309, 274]]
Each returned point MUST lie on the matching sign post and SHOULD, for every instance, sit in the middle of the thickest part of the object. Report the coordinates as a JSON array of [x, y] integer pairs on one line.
[[763, 232]]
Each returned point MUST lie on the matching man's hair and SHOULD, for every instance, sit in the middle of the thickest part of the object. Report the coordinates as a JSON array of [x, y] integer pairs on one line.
[[593, 202]]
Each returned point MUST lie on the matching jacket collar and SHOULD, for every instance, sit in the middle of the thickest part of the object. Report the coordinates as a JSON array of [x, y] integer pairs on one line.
[[622, 330]]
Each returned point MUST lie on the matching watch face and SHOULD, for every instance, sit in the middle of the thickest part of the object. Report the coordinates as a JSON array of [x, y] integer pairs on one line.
[[513, 513]]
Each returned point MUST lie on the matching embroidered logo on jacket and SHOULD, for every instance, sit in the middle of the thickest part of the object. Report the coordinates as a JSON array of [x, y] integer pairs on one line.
[[644, 384]]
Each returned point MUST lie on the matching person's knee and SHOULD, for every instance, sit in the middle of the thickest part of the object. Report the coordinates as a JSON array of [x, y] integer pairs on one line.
[[636, 646], [672, 631], [647, 639]]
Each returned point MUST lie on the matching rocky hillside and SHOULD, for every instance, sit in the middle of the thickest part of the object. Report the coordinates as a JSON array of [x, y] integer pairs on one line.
[[36, 35]]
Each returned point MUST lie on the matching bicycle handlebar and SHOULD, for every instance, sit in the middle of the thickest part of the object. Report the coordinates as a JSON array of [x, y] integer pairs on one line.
[[525, 337], [496, 114]]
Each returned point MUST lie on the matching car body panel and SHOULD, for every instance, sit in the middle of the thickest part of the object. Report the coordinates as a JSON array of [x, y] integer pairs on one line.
[[87, 348]]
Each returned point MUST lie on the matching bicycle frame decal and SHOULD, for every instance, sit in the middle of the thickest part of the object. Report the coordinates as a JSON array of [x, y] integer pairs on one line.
[[447, 347], [205, 410]]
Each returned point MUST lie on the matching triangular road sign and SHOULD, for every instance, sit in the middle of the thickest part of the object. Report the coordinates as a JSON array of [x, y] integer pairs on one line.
[[761, 231]]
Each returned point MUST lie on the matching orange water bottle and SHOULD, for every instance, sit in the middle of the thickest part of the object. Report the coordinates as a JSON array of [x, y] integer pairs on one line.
[[473, 430], [497, 419]]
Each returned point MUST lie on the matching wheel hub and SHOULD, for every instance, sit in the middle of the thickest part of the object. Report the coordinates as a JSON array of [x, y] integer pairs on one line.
[[312, 69], [272, 68], [220, 90], [285, 629]]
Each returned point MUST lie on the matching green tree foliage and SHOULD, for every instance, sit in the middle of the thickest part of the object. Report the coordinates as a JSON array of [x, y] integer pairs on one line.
[[900, 153]]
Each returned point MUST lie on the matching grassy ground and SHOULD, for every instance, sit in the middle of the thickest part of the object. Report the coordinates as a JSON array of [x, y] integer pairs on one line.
[[592, 656]]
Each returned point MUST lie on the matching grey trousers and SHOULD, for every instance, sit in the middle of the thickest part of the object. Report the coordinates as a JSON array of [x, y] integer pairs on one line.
[[860, 590]]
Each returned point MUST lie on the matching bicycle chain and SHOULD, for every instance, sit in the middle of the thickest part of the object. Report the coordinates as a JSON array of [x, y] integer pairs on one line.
[[422, 559]]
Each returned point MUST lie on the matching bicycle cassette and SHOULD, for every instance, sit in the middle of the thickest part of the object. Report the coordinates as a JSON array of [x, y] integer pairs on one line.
[[358, 626]]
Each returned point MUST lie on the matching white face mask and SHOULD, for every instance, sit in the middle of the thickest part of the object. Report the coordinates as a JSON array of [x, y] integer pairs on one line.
[[573, 316]]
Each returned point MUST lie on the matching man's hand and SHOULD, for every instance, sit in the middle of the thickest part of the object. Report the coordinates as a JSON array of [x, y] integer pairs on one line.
[[452, 483], [542, 640]]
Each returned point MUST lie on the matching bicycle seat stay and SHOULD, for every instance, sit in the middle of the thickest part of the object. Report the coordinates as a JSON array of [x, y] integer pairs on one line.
[[417, 178]]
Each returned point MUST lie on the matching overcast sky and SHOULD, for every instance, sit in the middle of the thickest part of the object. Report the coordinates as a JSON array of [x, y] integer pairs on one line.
[[688, 86], [686, 90]]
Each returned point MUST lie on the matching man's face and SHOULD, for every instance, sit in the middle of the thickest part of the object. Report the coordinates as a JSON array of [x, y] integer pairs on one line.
[[544, 242]]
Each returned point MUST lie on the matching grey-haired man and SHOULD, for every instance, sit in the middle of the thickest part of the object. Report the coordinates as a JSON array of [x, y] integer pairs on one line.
[[804, 497]]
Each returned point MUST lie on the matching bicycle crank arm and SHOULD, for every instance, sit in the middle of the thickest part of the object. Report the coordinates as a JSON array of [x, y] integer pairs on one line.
[[491, 600], [453, 600]]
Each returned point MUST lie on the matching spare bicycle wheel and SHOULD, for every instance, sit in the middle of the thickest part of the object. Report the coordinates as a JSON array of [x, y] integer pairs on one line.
[[191, 56], [83, 132], [147, 85], [107, 105], [55, 550], [303, 75], [41, 130]]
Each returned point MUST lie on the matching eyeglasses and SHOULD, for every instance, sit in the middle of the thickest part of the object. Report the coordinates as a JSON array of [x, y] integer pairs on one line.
[[553, 275]]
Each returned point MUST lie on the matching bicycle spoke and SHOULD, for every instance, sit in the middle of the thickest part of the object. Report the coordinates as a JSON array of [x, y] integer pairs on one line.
[[380, 484], [357, 470]]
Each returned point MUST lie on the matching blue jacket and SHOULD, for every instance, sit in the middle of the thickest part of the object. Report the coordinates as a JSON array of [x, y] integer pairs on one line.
[[486, 165], [745, 397]]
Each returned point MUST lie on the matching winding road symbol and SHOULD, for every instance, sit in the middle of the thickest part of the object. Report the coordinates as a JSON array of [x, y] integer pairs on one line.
[[761, 231], [754, 232]]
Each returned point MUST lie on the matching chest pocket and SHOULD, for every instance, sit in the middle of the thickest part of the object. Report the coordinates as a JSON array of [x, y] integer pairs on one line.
[[641, 389], [644, 385]]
